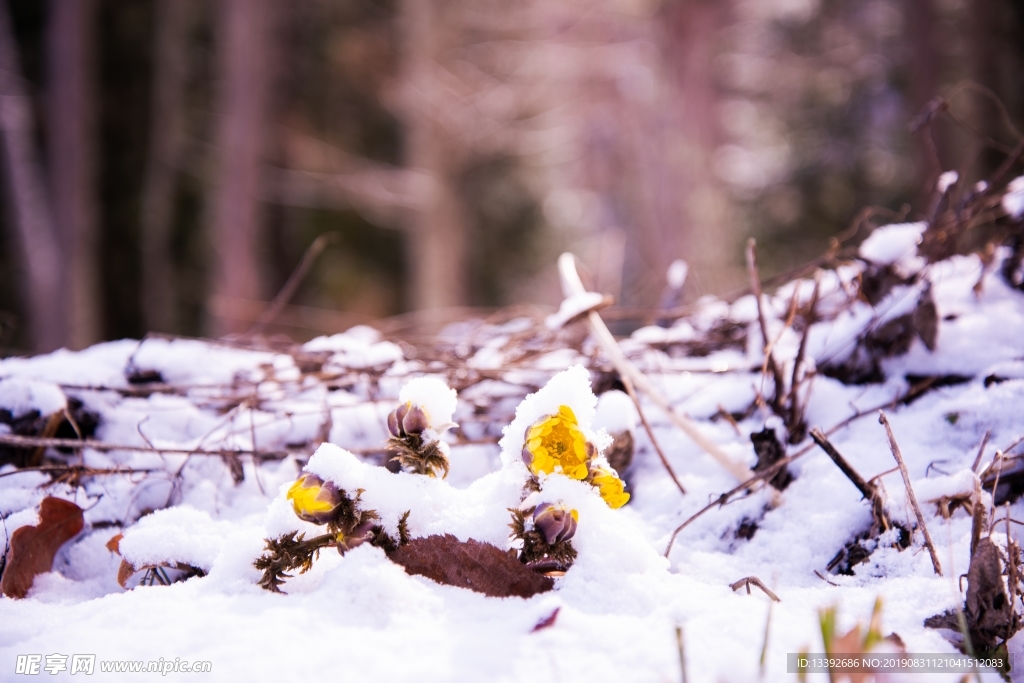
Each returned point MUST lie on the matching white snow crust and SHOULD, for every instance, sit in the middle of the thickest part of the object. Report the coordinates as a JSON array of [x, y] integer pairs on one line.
[[360, 617], [892, 243]]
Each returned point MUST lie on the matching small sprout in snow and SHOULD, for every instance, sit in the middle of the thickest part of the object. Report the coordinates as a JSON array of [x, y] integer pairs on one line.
[[607, 482], [313, 499], [555, 522], [556, 444], [417, 423]]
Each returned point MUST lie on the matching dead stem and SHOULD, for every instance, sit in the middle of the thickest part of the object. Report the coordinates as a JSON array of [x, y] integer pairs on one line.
[[910, 491], [572, 285], [650, 434], [79, 470], [294, 280], [774, 469], [682, 652], [749, 581], [42, 442], [795, 413], [867, 490], [977, 517], [981, 451], [822, 577], [755, 286]]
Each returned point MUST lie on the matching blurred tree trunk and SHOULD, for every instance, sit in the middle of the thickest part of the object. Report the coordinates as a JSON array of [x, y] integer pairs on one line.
[[698, 206], [437, 229], [72, 161], [925, 59], [988, 61], [165, 142], [29, 213], [244, 37]]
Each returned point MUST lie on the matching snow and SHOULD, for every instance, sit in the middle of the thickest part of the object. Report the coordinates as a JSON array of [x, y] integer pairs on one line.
[[892, 243], [360, 617], [676, 274], [21, 396], [433, 396], [946, 180], [1013, 200], [616, 412], [572, 307]]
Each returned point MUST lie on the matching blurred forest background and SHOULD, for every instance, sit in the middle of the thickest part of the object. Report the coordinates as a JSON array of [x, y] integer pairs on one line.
[[166, 163]]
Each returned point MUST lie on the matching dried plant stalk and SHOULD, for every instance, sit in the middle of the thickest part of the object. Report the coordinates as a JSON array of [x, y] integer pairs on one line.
[[882, 419]]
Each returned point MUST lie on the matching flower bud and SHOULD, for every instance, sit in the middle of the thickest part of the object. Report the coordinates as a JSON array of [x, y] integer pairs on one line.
[[395, 419], [313, 499], [555, 522], [361, 534], [415, 421]]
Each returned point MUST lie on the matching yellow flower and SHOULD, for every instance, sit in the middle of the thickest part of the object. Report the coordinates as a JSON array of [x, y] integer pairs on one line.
[[610, 486], [313, 499], [556, 444]]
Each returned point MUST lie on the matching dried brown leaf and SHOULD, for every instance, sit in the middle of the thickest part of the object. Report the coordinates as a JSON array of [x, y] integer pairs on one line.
[[480, 567], [546, 622], [114, 544], [926, 320], [33, 547], [124, 572], [989, 612]]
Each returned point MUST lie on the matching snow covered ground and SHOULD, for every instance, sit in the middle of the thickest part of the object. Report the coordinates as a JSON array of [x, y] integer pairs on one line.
[[360, 617]]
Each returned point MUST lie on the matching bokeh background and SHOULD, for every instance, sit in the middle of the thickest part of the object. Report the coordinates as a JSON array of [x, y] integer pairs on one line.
[[166, 163]]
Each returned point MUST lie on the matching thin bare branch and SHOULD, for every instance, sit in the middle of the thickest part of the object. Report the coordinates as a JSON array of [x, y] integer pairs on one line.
[[773, 367], [749, 581], [774, 469], [867, 490], [884, 421], [572, 285], [981, 451], [650, 434], [296, 278]]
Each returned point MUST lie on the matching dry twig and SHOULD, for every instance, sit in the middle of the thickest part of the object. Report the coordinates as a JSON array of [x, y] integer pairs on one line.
[[755, 286], [749, 581], [572, 285], [296, 278], [882, 419], [778, 465], [650, 434]]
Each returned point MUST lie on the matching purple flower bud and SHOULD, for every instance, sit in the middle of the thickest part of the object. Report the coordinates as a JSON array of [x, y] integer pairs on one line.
[[398, 415], [414, 421], [393, 424], [555, 522], [361, 534]]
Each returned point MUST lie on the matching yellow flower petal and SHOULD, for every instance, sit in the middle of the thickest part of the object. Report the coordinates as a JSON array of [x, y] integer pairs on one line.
[[557, 444]]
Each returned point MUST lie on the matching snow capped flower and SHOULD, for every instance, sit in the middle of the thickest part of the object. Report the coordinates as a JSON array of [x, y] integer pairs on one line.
[[556, 444], [430, 400], [570, 388], [557, 523], [313, 499], [425, 412], [607, 482]]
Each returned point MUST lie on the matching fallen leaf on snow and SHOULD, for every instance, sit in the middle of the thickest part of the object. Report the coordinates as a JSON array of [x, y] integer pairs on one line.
[[33, 547]]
